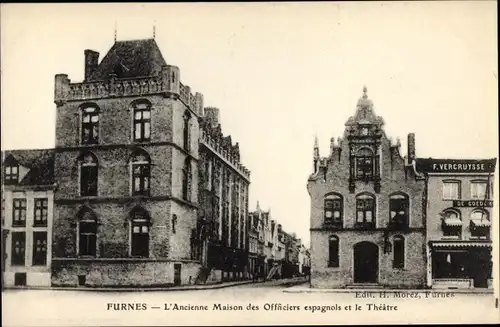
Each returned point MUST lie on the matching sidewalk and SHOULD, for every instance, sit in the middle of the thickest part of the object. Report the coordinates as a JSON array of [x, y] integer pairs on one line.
[[164, 289], [305, 288]]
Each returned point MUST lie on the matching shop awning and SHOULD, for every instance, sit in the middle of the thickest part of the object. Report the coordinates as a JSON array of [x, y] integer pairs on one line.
[[461, 244], [481, 222], [452, 222]]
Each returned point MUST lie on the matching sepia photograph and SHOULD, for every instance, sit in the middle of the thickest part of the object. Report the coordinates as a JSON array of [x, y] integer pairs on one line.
[[260, 163]]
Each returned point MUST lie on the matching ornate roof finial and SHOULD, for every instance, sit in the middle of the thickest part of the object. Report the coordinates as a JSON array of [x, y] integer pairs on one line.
[[364, 92], [316, 141], [154, 30], [115, 30]]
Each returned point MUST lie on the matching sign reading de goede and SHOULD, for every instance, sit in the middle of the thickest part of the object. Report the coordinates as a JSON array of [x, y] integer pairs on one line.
[[473, 203]]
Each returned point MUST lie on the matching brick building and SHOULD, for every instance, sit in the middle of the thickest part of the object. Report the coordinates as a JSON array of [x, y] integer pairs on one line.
[[223, 197], [459, 211], [27, 205], [126, 167], [367, 209]]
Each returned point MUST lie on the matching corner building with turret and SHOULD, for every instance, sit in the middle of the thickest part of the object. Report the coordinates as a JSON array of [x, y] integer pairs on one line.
[[127, 158], [367, 209]]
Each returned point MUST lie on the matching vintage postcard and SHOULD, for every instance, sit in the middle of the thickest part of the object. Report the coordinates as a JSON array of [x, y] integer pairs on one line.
[[249, 163]]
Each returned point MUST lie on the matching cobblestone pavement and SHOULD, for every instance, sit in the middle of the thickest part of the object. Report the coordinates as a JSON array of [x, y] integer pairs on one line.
[[262, 303]]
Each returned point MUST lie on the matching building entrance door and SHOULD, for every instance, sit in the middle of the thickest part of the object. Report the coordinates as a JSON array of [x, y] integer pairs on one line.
[[365, 262]]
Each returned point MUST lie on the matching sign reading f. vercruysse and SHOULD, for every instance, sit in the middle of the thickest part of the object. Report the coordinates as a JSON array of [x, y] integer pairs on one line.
[[456, 165], [473, 203]]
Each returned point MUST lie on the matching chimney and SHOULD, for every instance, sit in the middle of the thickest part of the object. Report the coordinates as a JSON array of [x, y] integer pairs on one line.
[[91, 61], [213, 115], [411, 147]]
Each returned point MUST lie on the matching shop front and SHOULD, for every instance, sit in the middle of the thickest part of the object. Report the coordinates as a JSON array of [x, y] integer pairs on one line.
[[459, 265]]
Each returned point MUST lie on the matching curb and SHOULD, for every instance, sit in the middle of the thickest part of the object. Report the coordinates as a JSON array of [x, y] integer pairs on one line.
[[152, 289], [341, 290]]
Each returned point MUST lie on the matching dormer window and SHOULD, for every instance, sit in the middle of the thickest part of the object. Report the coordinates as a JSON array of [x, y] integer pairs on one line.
[[11, 174]]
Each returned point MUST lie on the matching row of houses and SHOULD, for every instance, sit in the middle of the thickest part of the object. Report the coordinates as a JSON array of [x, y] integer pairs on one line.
[[141, 189], [379, 219], [274, 253]]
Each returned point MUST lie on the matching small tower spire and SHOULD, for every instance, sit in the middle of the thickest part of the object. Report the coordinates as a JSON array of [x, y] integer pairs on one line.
[[365, 90], [154, 30], [316, 153], [115, 32]]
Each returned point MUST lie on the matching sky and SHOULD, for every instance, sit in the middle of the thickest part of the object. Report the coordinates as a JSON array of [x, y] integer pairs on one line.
[[280, 73]]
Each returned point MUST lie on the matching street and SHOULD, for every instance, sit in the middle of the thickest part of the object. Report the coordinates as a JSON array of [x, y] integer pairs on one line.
[[263, 303]]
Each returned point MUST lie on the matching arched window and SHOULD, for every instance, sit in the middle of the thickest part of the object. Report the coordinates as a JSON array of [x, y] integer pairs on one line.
[[480, 224], [186, 179], [365, 210], [333, 207], [87, 232], [139, 225], [452, 223], [142, 121], [399, 205], [333, 251], [364, 163], [90, 124], [399, 252], [174, 224], [140, 165], [88, 175], [186, 134]]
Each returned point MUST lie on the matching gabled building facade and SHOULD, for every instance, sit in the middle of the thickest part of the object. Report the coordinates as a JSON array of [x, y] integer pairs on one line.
[[126, 167], [27, 212], [367, 209], [459, 211], [223, 196]]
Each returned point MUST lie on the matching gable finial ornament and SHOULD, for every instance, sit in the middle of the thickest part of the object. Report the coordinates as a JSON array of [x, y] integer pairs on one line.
[[115, 31], [154, 30], [365, 90]]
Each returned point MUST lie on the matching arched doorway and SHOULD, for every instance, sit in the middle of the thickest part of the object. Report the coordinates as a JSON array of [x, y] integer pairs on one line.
[[365, 262]]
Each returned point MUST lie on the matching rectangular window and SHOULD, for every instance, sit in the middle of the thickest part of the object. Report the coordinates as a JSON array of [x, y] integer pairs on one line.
[[364, 167], [140, 176], [142, 123], [89, 181], [90, 126], [478, 190], [11, 174], [39, 248], [451, 190], [333, 252], [399, 253], [333, 211], [18, 248], [40, 214], [19, 213], [365, 211], [399, 209]]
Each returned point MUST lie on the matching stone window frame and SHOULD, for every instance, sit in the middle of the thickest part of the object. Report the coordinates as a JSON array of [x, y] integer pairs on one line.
[[11, 177], [144, 165], [335, 241], [87, 216], [401, 196], [474, 184], [82, 179], [143, 106], [40, 253], [401, 241], [94, 134], [367, 196], [40, 212], [19, 206], [358, 156], [139, 233], [459, 189], [334, 197], [174, 223], [18, 260], [474, 234], [186, 130], [187, 179], [448, 229]]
